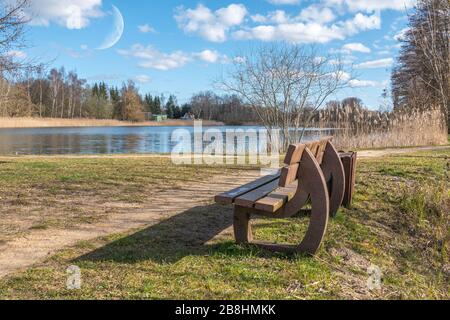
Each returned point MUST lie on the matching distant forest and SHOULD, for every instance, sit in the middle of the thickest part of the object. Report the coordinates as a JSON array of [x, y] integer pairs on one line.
[[61, 94]]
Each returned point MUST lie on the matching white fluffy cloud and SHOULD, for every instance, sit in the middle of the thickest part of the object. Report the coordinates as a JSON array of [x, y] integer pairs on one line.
[[356, 47], [355, 83], [210, 25], [371, 5], [315, 13], [283, 2], [146, 28], [143, 78], [16, 54], [376, 64], [72, 14], [150, 58], [153, 59], [311, 31], [208, 56], [314, 24], [400, 36]]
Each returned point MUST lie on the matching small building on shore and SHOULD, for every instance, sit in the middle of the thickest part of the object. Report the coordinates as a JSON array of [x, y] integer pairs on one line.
[[159, 117]]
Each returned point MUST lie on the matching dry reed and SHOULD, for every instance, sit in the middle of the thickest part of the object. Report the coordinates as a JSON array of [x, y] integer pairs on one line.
[[357, 128], [55, 123]]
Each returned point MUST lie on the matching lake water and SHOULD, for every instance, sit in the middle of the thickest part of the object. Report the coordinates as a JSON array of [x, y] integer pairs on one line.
[[99, 140]]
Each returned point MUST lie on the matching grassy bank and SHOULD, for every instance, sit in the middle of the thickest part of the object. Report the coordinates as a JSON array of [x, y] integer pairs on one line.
[[9, 123], [399, 222]]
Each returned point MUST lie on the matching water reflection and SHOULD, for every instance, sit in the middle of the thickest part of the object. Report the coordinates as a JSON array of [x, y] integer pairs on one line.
[[92, 141]]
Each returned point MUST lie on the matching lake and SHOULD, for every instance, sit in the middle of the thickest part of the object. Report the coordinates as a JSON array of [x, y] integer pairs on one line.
[[99, 140]]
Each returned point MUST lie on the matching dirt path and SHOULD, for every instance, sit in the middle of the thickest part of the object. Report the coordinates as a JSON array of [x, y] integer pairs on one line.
[[36, 245], [388, 152], [363, 154]]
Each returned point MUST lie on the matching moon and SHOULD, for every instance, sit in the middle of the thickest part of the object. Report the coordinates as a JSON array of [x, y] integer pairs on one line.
[[116, 32]]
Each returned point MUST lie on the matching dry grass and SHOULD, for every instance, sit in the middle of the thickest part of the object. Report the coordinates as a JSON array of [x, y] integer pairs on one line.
[[358, 128], [52, 123]]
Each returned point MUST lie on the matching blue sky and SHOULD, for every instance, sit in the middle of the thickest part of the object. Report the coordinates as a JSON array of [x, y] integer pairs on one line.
[[181, 46]]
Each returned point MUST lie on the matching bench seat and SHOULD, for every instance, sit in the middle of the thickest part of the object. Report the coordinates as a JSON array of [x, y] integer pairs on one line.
[[230, 197]]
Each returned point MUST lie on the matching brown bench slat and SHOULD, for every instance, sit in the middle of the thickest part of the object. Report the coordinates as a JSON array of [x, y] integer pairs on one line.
[[248, 200], [277, 199], [289, 175], [294, 154], [295, 151], [229, 197]]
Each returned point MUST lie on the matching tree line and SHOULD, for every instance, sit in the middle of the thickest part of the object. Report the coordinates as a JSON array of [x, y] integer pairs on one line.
[[421, 78], [63, 94]]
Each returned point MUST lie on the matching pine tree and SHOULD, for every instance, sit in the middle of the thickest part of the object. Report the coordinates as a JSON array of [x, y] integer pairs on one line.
[[157, 105]]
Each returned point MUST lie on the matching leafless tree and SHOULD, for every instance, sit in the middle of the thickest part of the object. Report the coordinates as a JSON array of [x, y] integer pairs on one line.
[[12, 24], [285, 84], [422, 78], [204, 104]]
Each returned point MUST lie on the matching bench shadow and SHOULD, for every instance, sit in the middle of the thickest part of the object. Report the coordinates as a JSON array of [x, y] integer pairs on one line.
[[170, 240]]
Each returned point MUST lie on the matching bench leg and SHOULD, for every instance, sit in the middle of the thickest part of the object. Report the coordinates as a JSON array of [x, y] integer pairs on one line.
[[242, 226], [312, 180], [334, 174]]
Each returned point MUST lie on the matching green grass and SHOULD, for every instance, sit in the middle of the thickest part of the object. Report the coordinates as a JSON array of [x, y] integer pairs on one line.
[[399, 222]]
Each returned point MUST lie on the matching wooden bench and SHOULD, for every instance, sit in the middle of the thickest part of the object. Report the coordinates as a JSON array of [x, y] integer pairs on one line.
[[313, 175]]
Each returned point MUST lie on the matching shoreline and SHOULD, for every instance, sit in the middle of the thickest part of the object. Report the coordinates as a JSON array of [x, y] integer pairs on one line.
[[362, 154], [36, 123]]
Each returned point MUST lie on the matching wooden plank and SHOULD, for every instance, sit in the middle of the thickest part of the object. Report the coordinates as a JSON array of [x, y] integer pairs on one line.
[[314, 147], [229, 197], [277, 199], [320, 156], [294, 154], [248, 200], [289, 175]]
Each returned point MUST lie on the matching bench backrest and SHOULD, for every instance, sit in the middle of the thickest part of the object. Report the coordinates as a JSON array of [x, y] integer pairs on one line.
[[294, 156]]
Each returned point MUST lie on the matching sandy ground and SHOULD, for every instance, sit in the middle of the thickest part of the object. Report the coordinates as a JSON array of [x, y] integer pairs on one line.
[[34, 246], [388, 152], [361, 154]]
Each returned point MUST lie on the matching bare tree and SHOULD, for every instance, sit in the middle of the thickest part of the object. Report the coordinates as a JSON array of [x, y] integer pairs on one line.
[[285, 84], [12, 24], [431, 33], [204, 104], [422, 78]]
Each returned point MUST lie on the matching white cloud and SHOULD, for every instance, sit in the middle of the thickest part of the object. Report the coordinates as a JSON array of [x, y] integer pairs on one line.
[[362, 83], [153, 59], [314, 13], [355, 83], [208, 56], [284, 2], [400, 36], [371, 5], [150, 58], [146, 28], [310, 32], [375, 64], [143, 78], [72, 14], [212, 26], [356, 47], [16, 54]]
